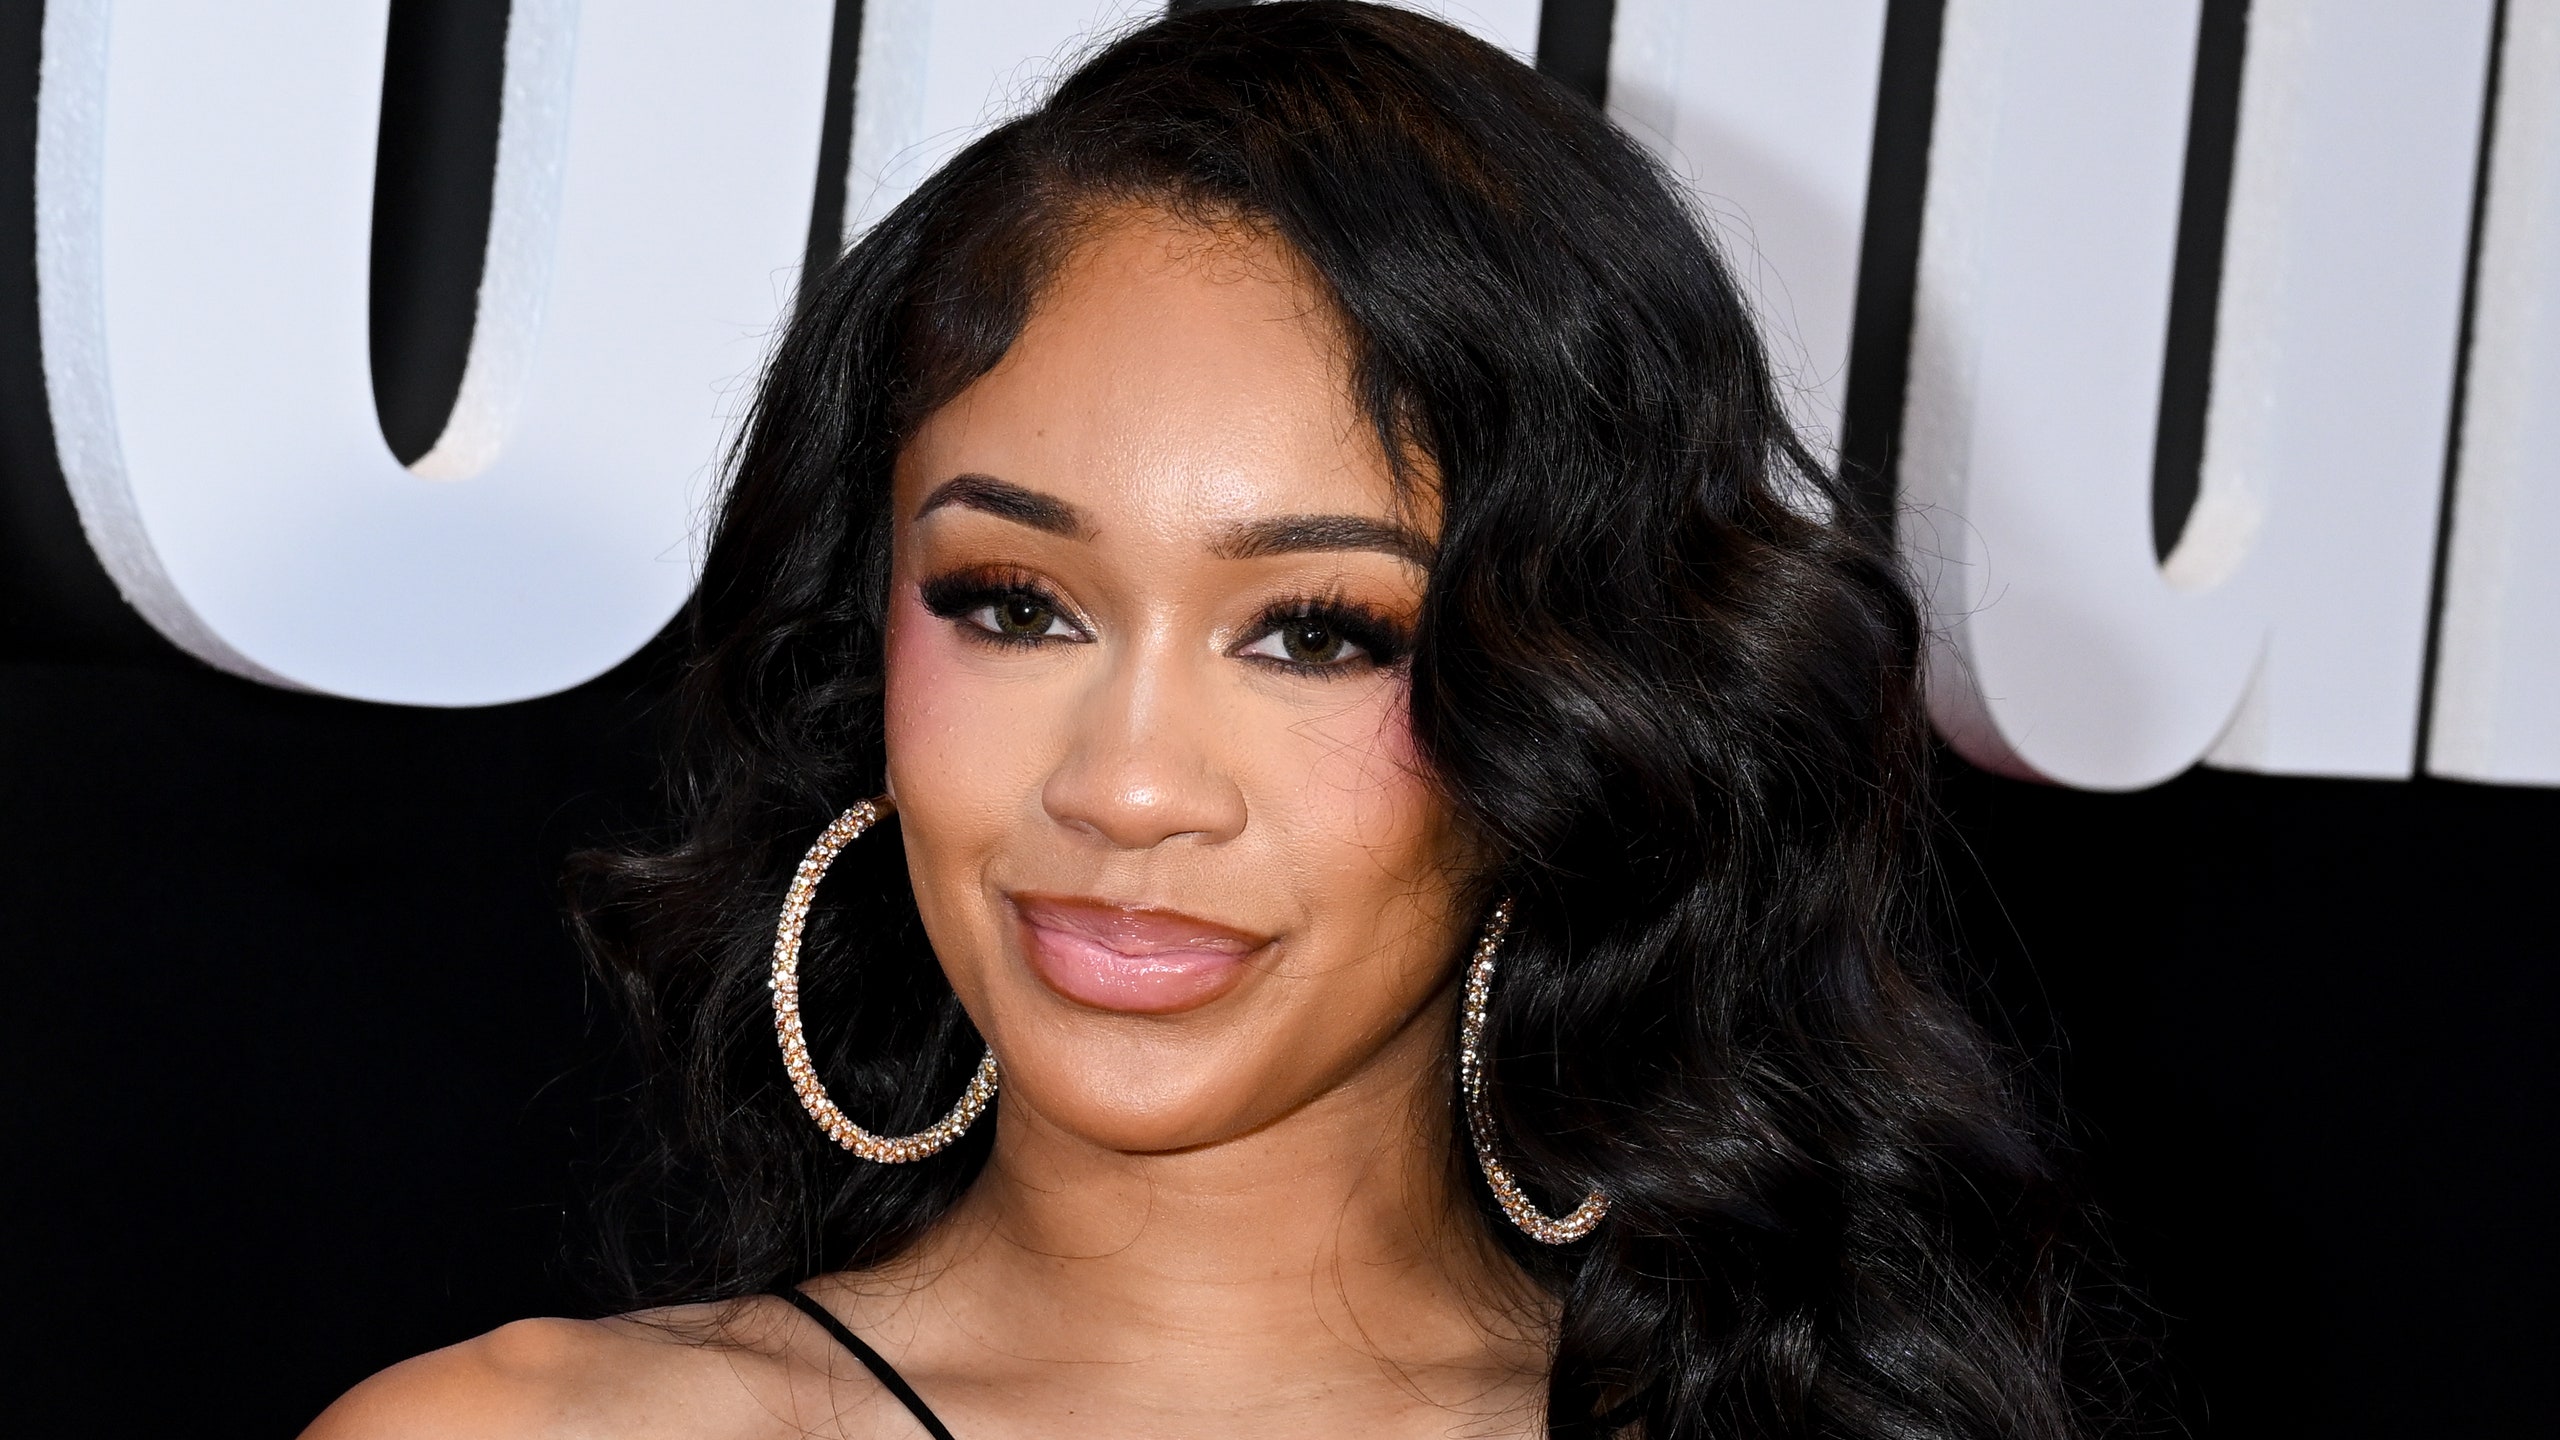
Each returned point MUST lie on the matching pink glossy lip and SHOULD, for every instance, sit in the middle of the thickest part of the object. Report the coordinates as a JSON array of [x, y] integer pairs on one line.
[[1130, 958]]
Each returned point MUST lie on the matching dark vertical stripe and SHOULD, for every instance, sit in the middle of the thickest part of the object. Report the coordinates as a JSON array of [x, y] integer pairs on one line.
[[1889, 256], [2461, 388], [2195, 291], [1573, 44], [435, 161], [835, 148]]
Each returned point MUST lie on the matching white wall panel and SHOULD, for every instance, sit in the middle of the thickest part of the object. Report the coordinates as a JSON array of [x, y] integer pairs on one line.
[[1767, 109], [2497, 695]]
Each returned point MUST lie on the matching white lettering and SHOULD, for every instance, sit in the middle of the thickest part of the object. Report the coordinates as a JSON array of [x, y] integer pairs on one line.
[[2497, 697], [2341, 308], [2287, 631], [205, 194], [2036, 351]]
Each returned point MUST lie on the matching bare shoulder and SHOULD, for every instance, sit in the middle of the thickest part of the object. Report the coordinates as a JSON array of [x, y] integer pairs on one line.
[[694, 1372]]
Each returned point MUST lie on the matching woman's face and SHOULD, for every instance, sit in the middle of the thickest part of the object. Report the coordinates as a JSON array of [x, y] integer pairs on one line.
[[1147, 731]]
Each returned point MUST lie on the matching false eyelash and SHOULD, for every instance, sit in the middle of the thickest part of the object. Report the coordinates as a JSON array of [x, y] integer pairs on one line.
[[953, 596], [956, 594], [1385, 639]]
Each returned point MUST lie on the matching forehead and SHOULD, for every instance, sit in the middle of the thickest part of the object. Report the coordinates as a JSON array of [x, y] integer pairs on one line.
[[1172, 375]]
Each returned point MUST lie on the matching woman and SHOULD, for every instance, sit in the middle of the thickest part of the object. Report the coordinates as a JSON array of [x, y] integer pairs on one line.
[[1376, 805]]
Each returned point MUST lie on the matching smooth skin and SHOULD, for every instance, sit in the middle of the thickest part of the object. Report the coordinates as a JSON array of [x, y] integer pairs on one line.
[[1150, 580]]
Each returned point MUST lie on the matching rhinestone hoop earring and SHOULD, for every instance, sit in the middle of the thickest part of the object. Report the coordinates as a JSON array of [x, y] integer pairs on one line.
[[1534, 1223], [882, 1149]]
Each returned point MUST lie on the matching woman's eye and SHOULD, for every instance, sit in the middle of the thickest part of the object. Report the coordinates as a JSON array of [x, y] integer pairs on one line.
[[1306, 641], [1021, 617]]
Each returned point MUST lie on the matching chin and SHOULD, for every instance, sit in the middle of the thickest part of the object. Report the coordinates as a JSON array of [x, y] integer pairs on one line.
[[1138, 1095]]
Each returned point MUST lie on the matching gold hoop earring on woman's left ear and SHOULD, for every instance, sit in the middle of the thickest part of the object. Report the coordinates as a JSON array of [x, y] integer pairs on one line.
[[1533, 1222], [883, 1149]]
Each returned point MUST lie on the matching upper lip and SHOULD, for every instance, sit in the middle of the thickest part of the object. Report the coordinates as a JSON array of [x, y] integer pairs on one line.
[[1134, 929]]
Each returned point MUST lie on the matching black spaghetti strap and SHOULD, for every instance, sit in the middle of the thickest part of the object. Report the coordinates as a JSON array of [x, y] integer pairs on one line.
[[871, 1359]]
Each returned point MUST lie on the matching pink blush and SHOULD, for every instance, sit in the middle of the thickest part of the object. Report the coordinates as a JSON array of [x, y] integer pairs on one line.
[[918, 670]]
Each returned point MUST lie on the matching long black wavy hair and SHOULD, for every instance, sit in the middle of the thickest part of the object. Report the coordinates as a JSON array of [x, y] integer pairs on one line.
[[1658, 671]]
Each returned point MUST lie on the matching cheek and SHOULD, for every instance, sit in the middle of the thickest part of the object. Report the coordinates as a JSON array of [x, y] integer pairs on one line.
[[948, 742], [945, 721], [918, 676], [1381, 830]]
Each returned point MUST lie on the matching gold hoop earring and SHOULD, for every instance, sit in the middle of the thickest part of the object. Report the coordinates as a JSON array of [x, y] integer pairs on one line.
[[785, 984], [1534, 1223]]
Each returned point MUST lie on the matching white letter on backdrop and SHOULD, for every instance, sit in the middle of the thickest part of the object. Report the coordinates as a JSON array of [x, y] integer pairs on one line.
[[2046, 254], [2341, 311], [936, 74], [2287, 632], [204, 208], [1768, 112], [2497, 699]]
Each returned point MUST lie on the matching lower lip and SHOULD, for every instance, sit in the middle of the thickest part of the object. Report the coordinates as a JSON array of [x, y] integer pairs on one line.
[[1093, 974]]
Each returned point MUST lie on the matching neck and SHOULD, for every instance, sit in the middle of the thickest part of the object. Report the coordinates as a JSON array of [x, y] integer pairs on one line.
[[1339, 1224]]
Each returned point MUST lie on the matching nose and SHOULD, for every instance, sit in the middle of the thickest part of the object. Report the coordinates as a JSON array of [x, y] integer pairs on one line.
[[1143, 765]]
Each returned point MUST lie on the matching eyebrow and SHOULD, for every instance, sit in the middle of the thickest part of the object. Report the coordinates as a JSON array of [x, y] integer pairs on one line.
[[1297, 534], [1253, 540], [1006, 501]]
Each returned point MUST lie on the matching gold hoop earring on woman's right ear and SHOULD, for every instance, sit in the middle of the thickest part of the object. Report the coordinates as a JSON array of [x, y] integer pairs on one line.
[[1533, 1222], [785, 984]]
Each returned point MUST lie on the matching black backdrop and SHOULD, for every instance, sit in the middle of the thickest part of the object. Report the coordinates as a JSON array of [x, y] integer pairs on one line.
[[299, 1075]]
